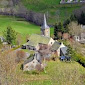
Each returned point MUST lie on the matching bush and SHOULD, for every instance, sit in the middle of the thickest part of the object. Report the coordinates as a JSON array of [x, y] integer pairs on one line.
[[79, 58]]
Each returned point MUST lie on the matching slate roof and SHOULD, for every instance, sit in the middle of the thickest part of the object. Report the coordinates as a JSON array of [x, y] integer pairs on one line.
[[38, 58], [45, 26], [55, 46], [28, 60], [64, 50], [36, 39]]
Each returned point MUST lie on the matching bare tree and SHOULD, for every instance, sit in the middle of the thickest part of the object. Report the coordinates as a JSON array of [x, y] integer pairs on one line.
[[8, 69], [74, 28]]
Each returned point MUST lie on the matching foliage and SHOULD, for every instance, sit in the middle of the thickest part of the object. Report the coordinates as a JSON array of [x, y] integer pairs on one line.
[[79, 58], [8, 69], [74, 29], [81, 19], [60, 29], [56, 31], [69, 51], [0, 44], [65, 25], [75, 56], [56, 12], [73, 17], [10, 35]]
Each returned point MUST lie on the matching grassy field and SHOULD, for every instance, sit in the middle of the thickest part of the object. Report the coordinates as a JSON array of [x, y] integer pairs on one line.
[[58, 73], [56, 11], [22, 27]]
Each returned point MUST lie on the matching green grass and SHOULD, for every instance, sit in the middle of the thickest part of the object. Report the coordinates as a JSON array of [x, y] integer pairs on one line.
[[22, 27], [58, 73], [57, 12]]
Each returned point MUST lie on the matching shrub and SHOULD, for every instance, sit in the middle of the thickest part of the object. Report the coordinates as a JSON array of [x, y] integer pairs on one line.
[[79, 58]]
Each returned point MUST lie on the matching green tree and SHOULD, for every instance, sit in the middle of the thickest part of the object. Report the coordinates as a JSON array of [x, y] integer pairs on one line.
[[69, 51], [73, 17], [10, 35], [56, 31], [65, 25], [82, 18]]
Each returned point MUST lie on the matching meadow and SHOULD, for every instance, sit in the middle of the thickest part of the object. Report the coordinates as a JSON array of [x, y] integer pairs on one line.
[[21, 26], [57, 73]]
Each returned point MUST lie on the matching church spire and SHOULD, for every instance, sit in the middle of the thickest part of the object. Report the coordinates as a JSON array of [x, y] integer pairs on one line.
[[45, 26]]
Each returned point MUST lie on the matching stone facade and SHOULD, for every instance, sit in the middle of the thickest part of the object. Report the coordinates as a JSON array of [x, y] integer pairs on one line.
[[31, 65]]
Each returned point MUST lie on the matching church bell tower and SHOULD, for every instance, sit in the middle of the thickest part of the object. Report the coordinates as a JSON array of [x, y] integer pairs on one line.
[[45, 29]]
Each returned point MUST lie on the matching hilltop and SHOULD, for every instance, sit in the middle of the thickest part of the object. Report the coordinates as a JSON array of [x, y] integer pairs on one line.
[[57, 12], [33, 10]]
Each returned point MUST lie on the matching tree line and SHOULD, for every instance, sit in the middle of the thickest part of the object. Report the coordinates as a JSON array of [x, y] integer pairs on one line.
[[71, 25]]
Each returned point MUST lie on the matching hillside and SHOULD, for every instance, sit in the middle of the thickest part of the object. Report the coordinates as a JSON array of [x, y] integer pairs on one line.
[[56, 12], [57, 73], [33, 10], [20, 26]]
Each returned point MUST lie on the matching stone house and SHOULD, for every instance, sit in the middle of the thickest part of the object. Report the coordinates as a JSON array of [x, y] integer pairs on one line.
[[56, 48], [33, 62], [80, 38]]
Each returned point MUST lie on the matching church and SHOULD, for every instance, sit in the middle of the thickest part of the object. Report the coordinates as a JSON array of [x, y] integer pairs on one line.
[[36, 41]]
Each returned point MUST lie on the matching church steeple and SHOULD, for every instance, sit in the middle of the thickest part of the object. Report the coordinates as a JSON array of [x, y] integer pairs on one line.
[[45, 29], [45, 26]]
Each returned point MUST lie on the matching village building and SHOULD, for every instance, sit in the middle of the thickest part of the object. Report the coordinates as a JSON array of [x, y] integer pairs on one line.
[[36, 41], [63, 1], [75, 1], [33, 63], [44, 45], [57, 48], [80, 38], [69, 1], [82, 0]]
